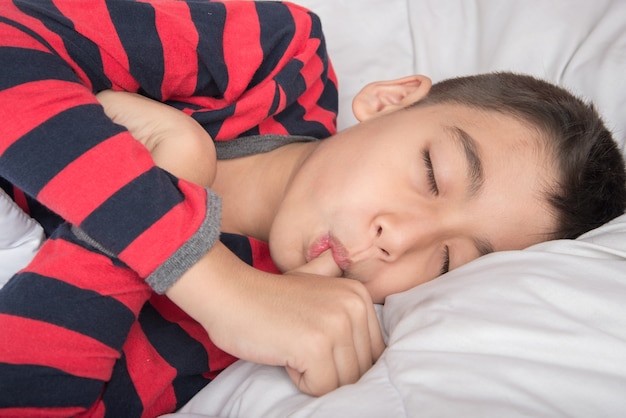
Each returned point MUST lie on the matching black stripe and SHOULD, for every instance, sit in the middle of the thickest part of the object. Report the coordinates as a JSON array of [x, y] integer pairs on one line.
[[208, 19], [52, 301], [277, 31], [135, 25], [133, 209], [37, 157], [291, 81], [180, 350], [41, 386], [21, 66], [292, 118], [329, 98], [84, 52], [239, 245], [120, 396], [212, 120]]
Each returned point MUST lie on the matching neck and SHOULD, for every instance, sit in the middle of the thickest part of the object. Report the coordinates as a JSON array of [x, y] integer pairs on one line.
[[253, 187]]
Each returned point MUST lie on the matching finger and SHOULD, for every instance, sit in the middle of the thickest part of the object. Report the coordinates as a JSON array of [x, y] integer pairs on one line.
[[361, 335], [377, 342], [367, 336], [317, 380], [323, 265], [350, 363]]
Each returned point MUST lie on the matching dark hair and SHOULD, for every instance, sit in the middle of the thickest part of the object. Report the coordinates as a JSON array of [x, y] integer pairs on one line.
[[591, 189]]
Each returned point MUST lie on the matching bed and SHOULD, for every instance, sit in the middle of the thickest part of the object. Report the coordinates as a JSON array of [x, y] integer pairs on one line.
[[533, 333]]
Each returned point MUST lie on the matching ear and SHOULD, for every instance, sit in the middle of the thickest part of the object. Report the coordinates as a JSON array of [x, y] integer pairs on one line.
[[382, 97]]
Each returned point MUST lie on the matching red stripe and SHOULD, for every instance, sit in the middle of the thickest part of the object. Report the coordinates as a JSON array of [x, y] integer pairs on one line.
[[57, 258], [177, 226], [261, 258], [20, 200], [312, 72], [179, 41], [252, 108], [37, 102], [10, 11], [271, 126], [92, 20], [55, 347], [309, 99], [242, 47], [150, 373], [16, 38], [43, 412], [95, 176]]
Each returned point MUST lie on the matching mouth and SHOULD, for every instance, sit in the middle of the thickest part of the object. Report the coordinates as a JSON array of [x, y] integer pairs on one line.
[[329, 242]]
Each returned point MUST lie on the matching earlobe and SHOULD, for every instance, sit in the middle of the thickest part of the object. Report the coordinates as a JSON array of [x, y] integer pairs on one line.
[[382, 97]]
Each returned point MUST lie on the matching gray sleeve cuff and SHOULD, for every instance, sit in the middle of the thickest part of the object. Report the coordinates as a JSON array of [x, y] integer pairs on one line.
[[192, 250], [187, 255]]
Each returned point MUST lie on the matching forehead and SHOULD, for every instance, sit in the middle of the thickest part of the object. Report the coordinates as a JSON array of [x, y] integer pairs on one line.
[[518, 174], [488, 128], [509, 203]]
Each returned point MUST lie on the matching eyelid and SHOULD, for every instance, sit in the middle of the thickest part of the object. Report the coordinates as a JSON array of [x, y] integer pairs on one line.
[[430, 173], [445, 267]]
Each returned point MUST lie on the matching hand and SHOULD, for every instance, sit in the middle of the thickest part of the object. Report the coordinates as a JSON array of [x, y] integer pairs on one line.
[[324, 330], [175, 140], [347, 360]]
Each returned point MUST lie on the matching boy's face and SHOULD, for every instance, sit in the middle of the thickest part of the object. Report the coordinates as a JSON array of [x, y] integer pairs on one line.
[[402, 197]]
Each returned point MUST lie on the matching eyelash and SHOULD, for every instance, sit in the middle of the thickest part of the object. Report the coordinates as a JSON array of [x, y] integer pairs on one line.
[[430, 172], [446, 261], [445, 267]]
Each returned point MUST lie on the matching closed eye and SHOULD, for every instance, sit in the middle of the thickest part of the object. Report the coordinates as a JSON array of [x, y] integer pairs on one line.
[[430, 174], [446, 261]]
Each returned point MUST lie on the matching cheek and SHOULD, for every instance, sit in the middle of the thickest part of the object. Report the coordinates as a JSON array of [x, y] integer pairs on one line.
[[284, 258], [285, 250], [395, 279]]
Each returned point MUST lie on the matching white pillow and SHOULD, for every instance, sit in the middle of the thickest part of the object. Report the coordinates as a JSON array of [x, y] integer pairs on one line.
[[539, 332], [20, 238], [579, 44]]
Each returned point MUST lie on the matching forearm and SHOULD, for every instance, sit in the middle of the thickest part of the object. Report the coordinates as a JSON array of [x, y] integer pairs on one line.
[[176, 142], [60, 147], [324, 330]]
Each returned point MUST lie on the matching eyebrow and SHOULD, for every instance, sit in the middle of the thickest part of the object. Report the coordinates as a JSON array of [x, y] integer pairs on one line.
[[474, 164], [475, 174]]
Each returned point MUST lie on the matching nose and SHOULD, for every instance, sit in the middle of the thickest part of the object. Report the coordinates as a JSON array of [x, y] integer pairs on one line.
[[395, 234]]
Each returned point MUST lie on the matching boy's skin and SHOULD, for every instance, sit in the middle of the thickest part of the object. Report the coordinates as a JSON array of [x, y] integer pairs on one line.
[[361, 205]]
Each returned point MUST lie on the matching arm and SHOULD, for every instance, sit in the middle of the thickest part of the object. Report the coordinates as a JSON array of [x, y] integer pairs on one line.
[[60, 147], [176, 142], [323, 330]]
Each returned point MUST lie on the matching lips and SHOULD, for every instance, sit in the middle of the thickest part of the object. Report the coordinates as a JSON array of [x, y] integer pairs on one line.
[[329, 242]]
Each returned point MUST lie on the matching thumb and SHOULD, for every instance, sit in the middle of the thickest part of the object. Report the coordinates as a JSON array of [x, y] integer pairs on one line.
[[323, 265]]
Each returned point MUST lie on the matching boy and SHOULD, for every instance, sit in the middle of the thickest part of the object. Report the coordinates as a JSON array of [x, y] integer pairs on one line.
[[390, 203]]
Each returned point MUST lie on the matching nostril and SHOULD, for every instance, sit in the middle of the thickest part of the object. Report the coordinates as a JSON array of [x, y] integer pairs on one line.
[[379, 232], [385, 252]]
